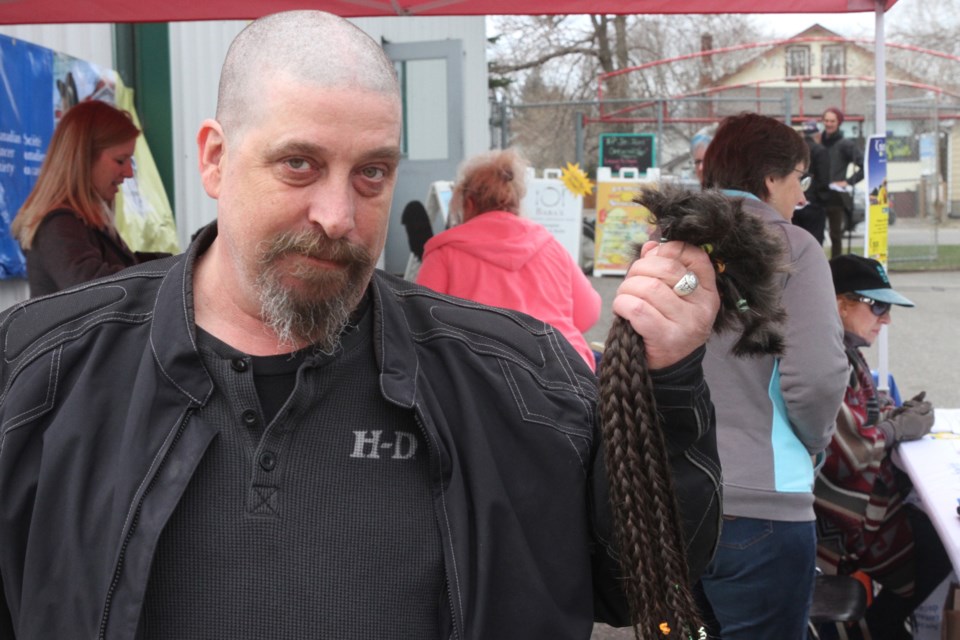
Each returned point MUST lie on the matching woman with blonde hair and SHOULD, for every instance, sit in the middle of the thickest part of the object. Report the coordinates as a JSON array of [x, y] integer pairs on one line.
[[65, 227], [499, 258]]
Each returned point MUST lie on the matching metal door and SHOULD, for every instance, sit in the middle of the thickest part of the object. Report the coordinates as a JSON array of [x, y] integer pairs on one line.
[[431, 82]]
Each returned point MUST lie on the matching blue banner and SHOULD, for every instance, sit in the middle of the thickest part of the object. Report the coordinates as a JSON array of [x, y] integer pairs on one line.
[[27, 99], [878, 211]]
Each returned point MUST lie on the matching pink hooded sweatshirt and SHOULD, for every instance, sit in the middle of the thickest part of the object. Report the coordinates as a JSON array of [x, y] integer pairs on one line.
[[502, 260]]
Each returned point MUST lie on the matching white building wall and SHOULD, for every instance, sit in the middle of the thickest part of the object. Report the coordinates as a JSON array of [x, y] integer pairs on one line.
[[471, 30], [197, 51], [90, 42]]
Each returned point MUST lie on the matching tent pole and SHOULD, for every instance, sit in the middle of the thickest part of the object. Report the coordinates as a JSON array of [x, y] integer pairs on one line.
[[880, 73], [880, 100]]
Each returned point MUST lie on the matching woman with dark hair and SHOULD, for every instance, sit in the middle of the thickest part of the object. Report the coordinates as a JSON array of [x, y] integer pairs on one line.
[[65, 227], [774, 414], [499, 258]]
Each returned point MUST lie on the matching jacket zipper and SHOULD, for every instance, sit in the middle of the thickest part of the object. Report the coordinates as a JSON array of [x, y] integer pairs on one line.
[[454, 633], [133, 527]]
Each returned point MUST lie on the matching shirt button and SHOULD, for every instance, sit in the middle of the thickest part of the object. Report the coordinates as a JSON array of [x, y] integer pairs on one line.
[[268, 460], [239, 364], [249, 418]]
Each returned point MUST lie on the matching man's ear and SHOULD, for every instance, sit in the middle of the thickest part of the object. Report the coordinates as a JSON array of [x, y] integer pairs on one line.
[[212, 147]]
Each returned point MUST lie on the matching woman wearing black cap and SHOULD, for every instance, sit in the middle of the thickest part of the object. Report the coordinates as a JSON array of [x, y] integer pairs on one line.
[[862, 522]]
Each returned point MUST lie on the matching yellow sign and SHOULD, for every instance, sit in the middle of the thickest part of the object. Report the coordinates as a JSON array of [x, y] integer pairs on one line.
[[879, 221], [576, 180], [621, 224], [878, 208]]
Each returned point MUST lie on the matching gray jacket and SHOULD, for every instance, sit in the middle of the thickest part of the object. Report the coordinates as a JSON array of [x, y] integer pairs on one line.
[[773, 414]]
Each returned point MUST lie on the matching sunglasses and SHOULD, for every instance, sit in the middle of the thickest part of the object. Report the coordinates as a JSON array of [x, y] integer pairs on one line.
[[877, 308], [805, 179]]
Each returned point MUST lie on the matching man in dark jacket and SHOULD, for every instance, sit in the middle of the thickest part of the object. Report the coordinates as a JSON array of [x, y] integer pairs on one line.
[[813, 215], [843, 153], [265, 437]]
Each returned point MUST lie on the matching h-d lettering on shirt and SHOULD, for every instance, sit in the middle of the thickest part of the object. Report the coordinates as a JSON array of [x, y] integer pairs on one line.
[[367, 444]]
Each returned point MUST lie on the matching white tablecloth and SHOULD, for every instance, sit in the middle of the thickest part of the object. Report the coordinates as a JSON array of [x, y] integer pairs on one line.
[[933, 464]]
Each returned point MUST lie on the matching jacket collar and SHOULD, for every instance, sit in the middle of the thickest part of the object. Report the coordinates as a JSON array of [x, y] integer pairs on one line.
[[396, 356], [758, 207], [173, 336]]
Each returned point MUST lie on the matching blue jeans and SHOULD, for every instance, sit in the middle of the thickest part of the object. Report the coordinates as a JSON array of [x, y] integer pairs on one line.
[[760, 584]]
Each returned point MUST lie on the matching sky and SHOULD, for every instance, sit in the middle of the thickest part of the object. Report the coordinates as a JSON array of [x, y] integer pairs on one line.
[[846, 24]]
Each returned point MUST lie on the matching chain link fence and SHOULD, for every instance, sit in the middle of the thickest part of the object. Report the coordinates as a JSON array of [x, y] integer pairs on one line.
[[551, 134], [923, 176], [918, 144]]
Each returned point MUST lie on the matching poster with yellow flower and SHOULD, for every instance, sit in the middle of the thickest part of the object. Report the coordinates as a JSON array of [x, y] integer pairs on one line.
[[621, 223]]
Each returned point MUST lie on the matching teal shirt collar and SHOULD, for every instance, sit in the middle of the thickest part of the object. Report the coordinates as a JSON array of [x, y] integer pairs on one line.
[[736, 193]]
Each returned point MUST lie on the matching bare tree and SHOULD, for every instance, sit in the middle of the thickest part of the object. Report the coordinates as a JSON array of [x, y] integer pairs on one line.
[[578, 58], [931, 26]]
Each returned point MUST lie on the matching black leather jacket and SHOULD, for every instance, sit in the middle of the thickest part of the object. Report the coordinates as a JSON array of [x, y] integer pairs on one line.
[[99, 438]]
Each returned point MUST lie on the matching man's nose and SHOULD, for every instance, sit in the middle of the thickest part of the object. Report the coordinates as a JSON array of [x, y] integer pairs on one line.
[[332, 206]]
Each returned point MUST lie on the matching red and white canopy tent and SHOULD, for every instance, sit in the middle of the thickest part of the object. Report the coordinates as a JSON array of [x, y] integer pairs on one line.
[[81, 11], [67, 11]]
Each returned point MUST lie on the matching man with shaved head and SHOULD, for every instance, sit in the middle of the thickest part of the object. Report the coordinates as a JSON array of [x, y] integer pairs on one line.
[[266, 437]]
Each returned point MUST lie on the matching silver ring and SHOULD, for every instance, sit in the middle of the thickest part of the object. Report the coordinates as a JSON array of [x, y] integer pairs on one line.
[[687, 284]]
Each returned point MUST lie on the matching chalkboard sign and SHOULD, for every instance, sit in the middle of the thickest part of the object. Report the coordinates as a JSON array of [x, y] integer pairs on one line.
[[627, 151]]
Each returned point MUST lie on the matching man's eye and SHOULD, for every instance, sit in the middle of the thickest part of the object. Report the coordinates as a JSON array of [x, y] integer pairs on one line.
[[298, 164], [373, 173]]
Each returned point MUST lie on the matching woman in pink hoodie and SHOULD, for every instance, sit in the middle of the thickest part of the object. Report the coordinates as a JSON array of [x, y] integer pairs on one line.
[[498, 258]]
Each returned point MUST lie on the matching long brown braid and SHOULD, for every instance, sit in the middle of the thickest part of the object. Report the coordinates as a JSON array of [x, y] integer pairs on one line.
[[647, 521]]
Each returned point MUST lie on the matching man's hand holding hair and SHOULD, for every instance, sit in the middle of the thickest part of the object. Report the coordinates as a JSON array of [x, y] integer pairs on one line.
[[672, 325]]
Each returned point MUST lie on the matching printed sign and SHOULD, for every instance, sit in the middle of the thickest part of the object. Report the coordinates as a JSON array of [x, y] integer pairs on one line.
[[878, 209], [27, 98], [621, 224], [550, 203], [627, 151]]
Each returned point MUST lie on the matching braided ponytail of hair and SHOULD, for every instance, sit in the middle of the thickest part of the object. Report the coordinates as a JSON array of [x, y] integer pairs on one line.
[[646, 518], [749, 261]]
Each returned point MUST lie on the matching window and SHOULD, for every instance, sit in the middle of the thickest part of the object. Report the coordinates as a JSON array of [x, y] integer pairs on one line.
[[423, 83], [834, 60], [798, 61]]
